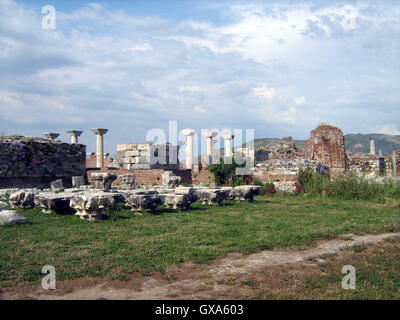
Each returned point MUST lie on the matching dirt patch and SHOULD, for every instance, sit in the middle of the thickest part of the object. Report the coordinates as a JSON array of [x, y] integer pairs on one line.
[[236, 276]]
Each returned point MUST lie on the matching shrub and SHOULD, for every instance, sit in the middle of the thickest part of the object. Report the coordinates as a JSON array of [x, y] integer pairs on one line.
[[222, 172], [267, 188]]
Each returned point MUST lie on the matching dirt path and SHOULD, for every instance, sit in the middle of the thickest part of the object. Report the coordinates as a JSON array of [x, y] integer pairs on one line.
[[192, 281]]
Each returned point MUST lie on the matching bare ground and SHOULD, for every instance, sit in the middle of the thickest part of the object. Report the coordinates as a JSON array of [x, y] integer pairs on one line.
[[232, 277]]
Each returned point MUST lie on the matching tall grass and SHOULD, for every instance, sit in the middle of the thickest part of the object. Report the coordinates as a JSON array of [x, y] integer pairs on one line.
[[345, 186]]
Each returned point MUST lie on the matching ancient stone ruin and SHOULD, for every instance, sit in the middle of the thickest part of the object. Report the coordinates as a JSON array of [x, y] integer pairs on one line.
[[35, 162], [326, 146], [53, 175]]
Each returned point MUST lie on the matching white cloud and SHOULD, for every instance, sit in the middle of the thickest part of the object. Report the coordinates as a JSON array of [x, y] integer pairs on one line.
[[141, 47], [199, 109], [106, 67], [264, 92], [390, 129], [190, 89], [300, 100]]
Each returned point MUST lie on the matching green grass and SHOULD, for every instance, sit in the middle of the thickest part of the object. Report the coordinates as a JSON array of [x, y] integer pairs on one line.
[[377, 277], [126, 243]]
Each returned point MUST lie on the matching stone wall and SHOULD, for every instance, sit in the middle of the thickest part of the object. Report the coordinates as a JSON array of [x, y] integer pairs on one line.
[[326, 146], [146, 156], [144, 176], [369, 164], [34, 162]]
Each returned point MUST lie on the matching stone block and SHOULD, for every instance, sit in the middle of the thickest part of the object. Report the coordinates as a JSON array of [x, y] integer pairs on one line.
[[22, 199], [77, 181], [57, 186], [127, 181], [103, 180], [11, 216]]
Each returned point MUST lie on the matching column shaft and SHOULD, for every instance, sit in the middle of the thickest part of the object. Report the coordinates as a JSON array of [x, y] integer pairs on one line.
[[100, 151], [189, 152]]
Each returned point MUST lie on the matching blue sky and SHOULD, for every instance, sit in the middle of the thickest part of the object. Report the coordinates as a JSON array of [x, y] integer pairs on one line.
[[278, 67]]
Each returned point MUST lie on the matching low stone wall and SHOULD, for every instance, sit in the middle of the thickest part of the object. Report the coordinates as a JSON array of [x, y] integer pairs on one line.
[[34, 162], [144, 176]]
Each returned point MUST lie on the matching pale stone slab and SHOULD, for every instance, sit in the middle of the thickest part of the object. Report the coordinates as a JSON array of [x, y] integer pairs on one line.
[[11, 216]]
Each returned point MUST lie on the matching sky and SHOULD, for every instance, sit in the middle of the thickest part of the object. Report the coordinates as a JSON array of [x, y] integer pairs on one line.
[[278, 67]]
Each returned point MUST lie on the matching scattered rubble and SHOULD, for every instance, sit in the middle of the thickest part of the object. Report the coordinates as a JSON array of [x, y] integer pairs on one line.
[[22, 199]]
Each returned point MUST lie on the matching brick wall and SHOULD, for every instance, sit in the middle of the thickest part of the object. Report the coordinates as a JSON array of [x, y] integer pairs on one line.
[[202, 175], [91, 161]]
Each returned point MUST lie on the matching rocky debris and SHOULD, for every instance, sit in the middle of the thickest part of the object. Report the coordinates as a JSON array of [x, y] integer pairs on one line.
[[163, 190], [92, 207], [246, 193], [228, 193], [189, 191], [127, 181], [211, 196], [284, 149], [11, 216], [170, 180], [103, 180], [176, 201], [77, 181], [50, 202], [140, 203], [57, 186], [22, 199]]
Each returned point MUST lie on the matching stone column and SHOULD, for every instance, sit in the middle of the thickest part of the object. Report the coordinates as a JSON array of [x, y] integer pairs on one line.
[[100, 151], [209, 136], [189, 147], [380, 152], [51, 135], [228, 145], [74, 135], [372, 147], [394, 171]]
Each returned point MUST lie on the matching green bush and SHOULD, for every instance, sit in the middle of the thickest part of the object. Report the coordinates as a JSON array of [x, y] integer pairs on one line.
[[223, 172]]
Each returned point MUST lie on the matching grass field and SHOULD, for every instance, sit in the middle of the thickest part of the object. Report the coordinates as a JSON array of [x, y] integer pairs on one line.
[[126, 243]]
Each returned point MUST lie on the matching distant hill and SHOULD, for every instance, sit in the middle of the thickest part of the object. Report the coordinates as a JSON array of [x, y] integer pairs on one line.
[[353, 142], [360, 142]]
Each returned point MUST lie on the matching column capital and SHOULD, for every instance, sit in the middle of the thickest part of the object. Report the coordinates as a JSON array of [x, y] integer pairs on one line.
[[99, 131], [228, 137], [209, 134], [188, 132], [75, 133], [51, 135]]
